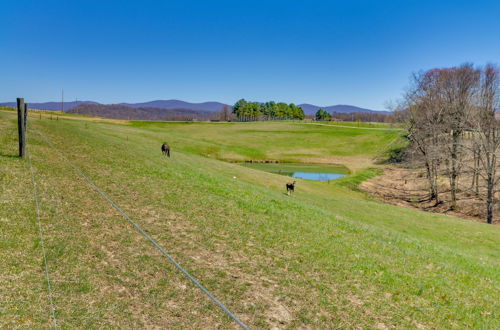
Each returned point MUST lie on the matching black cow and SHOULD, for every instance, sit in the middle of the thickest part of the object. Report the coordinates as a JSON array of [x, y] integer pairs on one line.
[[165, 149], [290, 187]]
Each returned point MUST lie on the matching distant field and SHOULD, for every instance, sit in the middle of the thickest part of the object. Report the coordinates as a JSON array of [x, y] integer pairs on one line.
[[328, 257], [282, 141]]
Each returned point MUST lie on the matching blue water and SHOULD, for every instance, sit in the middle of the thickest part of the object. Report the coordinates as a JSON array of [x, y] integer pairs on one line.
[[317, 176]]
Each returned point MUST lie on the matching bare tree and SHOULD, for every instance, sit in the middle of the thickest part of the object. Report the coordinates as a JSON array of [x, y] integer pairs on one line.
[[487, 133], [226, 111], [426, 123], [442, 107], [458, 87], [476, 153]]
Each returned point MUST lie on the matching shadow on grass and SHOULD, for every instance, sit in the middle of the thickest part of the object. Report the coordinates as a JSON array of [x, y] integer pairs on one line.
[[4, 155]]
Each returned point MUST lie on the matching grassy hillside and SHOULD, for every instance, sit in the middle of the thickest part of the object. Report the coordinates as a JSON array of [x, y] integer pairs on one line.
[[283, 141], [327, 257]]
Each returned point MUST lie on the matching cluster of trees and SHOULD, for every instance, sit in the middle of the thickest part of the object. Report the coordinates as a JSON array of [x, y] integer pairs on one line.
[[322, 115], [248, 111], [366, 117], [226, 114], [452, 124], [357, 116]]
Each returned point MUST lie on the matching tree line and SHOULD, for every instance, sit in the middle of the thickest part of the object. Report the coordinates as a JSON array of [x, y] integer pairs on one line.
[[452, 124], [119, 111], [323, 115], [250, 111], [366, 117]]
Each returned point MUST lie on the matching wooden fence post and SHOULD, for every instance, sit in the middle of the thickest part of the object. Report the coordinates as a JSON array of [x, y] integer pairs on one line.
[[25, 118], [20, 126]]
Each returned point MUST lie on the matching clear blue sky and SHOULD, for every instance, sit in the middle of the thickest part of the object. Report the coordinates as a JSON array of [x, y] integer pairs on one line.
[[320, 52]]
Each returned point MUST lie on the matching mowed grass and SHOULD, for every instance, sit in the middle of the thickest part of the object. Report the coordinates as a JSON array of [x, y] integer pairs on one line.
[[328, 257]]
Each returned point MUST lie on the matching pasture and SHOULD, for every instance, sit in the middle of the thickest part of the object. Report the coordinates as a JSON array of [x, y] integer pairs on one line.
[[328, 257], [286, 141]]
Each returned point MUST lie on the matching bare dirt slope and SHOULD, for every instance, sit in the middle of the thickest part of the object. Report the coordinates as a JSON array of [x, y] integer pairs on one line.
[[408, 187]]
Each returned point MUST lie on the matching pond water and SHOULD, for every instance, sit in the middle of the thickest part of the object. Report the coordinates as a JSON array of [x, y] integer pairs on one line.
[[316, 172]]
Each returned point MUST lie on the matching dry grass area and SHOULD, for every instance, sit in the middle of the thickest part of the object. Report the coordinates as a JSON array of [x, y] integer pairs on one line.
[[409, 188], [56, 115]]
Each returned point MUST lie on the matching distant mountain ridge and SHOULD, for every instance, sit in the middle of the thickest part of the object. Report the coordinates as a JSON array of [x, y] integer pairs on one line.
[[309, 109], [50, 105], [178, 104], [120, 111]]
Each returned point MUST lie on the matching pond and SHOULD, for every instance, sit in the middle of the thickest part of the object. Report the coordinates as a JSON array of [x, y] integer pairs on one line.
[[316, 172]]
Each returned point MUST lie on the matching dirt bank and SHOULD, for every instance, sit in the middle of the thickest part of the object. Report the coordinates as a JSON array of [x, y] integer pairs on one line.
[[409, 188]]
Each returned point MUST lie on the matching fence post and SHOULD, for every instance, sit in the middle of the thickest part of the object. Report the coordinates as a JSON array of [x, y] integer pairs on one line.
[[25, 118], [20, 126]]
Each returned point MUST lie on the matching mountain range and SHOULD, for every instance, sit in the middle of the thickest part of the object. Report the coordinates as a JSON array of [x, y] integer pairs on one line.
[[309, 109], [50, 105], [178, 104], [121, 111]]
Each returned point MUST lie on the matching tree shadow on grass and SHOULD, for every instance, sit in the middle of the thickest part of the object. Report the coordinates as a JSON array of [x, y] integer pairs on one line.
[[5, 155]]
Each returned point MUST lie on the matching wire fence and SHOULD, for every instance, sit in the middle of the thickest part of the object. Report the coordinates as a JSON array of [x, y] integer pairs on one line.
[[141, 231], [42, 243]]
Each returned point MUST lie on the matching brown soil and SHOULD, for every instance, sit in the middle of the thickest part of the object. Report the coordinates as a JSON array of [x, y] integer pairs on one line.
[[409, 188]]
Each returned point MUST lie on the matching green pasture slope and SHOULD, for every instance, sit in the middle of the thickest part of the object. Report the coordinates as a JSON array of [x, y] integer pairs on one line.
[[284, 141], [327, 257]]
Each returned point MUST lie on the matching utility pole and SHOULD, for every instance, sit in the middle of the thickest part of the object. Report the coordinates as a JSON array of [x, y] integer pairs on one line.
[[62, 100]]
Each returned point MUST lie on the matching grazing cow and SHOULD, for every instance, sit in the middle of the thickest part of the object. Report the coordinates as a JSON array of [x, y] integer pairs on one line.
[[165, 149], [290, 187]]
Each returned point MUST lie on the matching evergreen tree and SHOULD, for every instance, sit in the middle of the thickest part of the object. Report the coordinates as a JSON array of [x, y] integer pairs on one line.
[[322, 115], [271, 110], [239, 108]]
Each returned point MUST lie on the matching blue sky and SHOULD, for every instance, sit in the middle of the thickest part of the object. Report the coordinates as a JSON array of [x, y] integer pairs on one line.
[[320, 52]]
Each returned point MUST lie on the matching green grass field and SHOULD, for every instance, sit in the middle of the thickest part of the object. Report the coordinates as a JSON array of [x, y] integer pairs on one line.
[[327, 257], [283, 141]]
